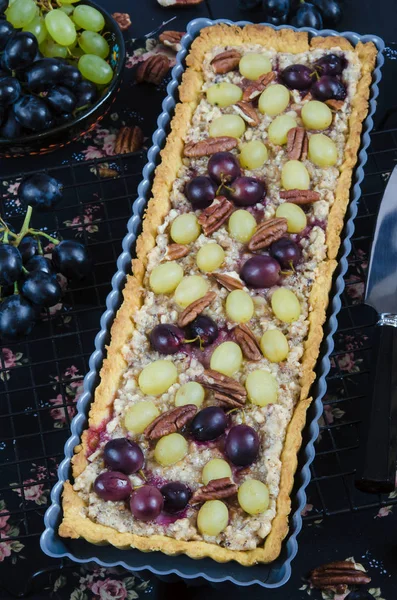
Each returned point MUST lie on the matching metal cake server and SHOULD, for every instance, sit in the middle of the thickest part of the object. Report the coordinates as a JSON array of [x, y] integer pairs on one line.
[[378, 473]]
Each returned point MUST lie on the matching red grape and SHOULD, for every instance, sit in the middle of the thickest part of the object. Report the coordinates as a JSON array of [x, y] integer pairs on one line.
[[200, 191], [223, 167], [146, 503], [204, 328], [176, 496], [331, 64], [113, 486], [261, 272], [297, 77], [286, 252], [208, 424], [242, 445], [166, 338], [328, 87], [247, 191], [123, 455]]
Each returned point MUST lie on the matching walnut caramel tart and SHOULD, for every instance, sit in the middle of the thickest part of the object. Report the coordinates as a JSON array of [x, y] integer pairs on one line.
[[196, 423]]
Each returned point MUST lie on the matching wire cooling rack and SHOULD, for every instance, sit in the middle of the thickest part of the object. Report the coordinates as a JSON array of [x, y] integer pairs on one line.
[[38, 387]]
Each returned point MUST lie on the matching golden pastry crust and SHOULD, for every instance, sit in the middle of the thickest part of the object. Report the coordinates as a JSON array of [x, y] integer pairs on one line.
[[75, 524]]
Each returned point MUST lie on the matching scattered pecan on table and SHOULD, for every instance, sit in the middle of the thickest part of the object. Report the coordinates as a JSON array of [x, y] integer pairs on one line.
[[172, 39], [336, 576], [123, 20], [153, 69], [128, 139]]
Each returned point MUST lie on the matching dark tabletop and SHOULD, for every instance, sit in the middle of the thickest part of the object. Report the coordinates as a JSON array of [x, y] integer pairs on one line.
[[41, 380]]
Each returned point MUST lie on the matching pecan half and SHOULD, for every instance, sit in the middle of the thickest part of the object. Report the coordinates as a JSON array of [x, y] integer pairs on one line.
[[170, 421], [122, 19], [195, 308], [268, 232], [129, 139], [338, 575], [215, 215], [297, 142], [153, 69], [226, 61], [167, 3], [175, 251], [300, 196], [105, 172], [254, 88], [227, 390], [214, 490], [247, 342], [172, 39], [335, 104], [247, 111], [228, 282], [209, 146]]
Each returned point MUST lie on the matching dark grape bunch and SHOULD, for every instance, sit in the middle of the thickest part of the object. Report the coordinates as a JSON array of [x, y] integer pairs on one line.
[[167, 338], [301, 13], [51, 62], [323, 79], [28, 280]]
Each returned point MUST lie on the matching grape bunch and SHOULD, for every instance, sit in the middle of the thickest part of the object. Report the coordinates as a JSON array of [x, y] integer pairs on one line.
[[52, 63], [301, 13], [28, 279]]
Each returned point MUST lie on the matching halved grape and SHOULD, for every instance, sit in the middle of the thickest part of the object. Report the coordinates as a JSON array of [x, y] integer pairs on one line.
[[279, 128], [190, 393], [322, 150], [295, 176], [210, 257], [316, 115], [139, 416], [217, 468], [242, 226], [165, 277], [185, 228], [285, 305], [274, 345]]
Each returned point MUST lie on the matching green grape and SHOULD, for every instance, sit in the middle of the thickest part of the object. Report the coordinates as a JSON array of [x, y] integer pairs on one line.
[[50, 49], [190, 289], [139, 416], [253, 496], [212, 517], [21, 13], [285, 305], [93, 43], [217, 468], [67, 9], [88, 18], [239, 306], [170, 449], [38, 28], [77, 53], [228, 125], [95, 69], [224, 94], [60, 27], [262, 387], [190, 393], [274, 345], [157, 377], [227, 358], [68, 2]]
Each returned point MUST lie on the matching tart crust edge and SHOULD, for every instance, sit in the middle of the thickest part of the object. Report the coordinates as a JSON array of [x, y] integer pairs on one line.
[[75, 524]]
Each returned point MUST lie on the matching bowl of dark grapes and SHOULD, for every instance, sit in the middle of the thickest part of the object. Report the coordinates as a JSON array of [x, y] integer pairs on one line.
[[60, 69]]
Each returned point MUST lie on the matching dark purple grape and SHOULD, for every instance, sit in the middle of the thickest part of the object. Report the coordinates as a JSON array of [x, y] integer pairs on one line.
[[223, 167], [331, 11], [33, 113], [260, 272], [297, 77], [277, 8], [71, 259], [146, 503], [20, 51], [41, 288], [208, 424], [113, 486], [328, 87], [40, 191], [85, 91], [330, 64], [176, 496], [7, 31], [166, 338], [43, 74], [123, 455], [28, 247], [3, 6], [10, 90], [10, 128], [200, 191], [61, 100], [286, 252], [242, 445], [40, 263], [275, 20], [307, 15], [204, 328], [10, 264], [360, 595], [246, 191], [71, 77], [17, 317]]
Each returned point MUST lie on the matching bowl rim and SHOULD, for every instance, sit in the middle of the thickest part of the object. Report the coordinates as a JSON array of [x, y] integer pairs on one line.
[[43, 135]]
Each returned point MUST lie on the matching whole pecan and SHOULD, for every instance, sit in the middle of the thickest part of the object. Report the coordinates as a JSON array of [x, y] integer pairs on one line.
[[128, 139], [268, 232], [335, 104], [170, 421], [167, 3], [105, 172], [337, 576], [153, 69], [195, 308], [172, 39], [175, 251], [247, 111], [254, 88], [228, 282], [227, 390], [300, 196], [297, 142], [247, 342], [215, 215], [226, 61], [214, 490], [122, 19], [210, 145]]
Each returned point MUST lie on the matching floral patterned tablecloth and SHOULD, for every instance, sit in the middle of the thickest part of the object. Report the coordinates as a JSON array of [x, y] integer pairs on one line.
[[368, 537]]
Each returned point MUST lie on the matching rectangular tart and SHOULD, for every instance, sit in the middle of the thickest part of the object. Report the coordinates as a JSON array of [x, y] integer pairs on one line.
[[229, 290]]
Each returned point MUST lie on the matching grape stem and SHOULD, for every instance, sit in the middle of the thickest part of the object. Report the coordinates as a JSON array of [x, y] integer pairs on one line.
[[25, 229], [16, 290]]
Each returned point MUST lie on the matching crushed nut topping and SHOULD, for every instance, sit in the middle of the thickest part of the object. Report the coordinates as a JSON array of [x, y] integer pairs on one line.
[[226, 61], [195, 308], [170, 421], [268, 232], [153, 69], [215, 490], [215, 215], [300, 196], [297, 143], [338, 575], [210, 146], [247, 342], [254, 88]]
